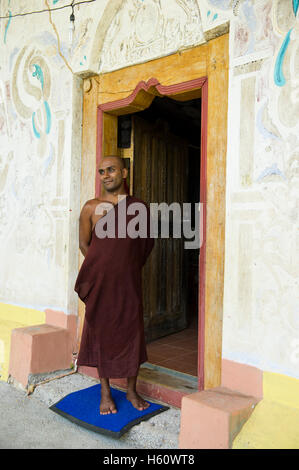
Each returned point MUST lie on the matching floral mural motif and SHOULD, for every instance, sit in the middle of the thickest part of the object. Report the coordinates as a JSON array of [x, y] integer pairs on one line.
[[31, 86]]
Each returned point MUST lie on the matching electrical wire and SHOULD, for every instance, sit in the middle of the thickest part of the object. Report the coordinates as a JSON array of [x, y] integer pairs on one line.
[[46, 10]]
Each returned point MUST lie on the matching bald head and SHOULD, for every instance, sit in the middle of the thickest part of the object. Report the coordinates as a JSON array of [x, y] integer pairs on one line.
[[113, 173], [114, 158]]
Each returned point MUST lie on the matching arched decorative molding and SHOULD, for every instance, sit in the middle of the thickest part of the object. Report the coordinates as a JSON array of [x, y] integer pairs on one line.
[[142, 31], [132, 31], [109, 13]]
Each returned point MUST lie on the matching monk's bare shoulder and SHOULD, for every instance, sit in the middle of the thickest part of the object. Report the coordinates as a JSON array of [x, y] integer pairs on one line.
[[90, 206], [87, 209], [93, 210]]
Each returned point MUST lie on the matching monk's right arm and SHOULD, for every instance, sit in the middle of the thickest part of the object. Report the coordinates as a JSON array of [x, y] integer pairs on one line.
[[85, 228]]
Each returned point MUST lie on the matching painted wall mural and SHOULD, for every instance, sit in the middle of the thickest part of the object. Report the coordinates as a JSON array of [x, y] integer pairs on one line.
[[33, 195], [31, 86], [261, 292], [145, 30]]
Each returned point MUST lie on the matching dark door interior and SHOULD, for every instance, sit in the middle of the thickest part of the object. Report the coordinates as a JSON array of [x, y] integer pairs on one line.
[[166, 168]]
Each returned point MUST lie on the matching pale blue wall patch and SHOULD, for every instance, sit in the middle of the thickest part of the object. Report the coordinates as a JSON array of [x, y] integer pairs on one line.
[[261, 127], [12, 56], [251, 20], [49, 160], [222, 4]]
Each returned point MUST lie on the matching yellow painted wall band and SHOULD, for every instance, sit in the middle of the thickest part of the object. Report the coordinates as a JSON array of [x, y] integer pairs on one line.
[[15, 313], [281, 388]]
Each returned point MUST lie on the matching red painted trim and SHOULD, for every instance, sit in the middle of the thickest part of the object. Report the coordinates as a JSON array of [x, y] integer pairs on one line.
[[153, 83], [179, 87], [158, 391], [118, 104], [202, 253], [169, 90]]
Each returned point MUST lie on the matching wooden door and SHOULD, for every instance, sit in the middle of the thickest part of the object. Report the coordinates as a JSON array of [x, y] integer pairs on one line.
[[160, 175]]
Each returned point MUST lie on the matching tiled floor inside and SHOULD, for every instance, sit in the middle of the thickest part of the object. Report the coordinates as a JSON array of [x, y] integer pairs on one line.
[[177, 351]]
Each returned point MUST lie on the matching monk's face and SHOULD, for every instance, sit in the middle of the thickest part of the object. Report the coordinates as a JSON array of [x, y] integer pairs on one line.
[[112, 174]]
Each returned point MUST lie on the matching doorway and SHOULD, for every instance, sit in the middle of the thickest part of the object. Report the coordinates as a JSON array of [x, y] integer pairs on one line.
[[201, 71], [166, 169]]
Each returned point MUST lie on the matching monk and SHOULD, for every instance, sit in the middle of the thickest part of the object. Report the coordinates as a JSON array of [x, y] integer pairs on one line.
[[109, 283]]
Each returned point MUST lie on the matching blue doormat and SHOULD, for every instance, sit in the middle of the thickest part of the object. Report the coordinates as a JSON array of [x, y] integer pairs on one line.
[[83, 408]]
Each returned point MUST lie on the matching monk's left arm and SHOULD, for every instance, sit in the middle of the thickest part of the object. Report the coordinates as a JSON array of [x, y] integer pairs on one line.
[[85, 228]]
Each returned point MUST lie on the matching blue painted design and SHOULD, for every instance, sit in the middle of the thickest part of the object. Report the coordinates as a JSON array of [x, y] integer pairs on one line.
[[272, 170], [214, 16], [55, 1], [295, 6], [81, 63], [48, 113], [278, 72], [38, 73], [7, 26], [36, 133], [49, 121]]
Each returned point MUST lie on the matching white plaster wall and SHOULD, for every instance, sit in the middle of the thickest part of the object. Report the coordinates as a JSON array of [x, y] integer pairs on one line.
[[40, 176], [40, 156], [261, 302]]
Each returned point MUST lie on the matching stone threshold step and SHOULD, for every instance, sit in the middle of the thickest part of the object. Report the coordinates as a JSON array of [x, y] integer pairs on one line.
[[162, 384]]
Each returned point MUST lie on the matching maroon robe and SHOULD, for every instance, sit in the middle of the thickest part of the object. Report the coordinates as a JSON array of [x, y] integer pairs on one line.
[[109, 283]]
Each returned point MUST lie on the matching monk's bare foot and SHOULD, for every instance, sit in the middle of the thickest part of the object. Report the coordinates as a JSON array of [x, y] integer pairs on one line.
[[136, 400], [107, 405]]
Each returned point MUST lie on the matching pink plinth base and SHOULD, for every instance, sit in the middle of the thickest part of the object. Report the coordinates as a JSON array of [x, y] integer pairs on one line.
[[242, 378], [211, 419], [43, 348]]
